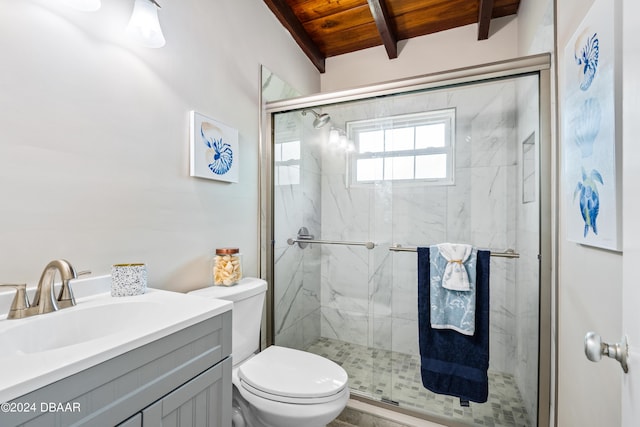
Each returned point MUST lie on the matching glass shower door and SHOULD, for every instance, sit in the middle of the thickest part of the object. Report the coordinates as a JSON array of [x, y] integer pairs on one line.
[[455, 164], [297, 267]]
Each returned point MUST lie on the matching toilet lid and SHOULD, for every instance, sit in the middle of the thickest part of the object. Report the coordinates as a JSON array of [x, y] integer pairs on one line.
[[289, 373]]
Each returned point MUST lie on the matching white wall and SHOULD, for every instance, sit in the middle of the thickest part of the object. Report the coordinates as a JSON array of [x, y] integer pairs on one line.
[[589, 285], [535, 26], [432, 53], [94, 135]]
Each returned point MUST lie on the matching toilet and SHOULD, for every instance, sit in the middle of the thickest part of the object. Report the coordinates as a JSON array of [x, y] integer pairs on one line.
[[279, 386]]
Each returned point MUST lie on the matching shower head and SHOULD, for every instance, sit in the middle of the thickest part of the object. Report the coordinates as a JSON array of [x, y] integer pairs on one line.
[[320, 119]]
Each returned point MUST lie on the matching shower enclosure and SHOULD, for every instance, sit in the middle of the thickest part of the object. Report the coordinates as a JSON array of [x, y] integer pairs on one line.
[[355, 180]]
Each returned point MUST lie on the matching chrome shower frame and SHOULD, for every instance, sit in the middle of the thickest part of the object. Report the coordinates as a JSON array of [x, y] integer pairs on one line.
[[532, 65]]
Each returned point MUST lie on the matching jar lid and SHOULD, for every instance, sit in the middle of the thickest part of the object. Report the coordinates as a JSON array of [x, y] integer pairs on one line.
[[226, 251]]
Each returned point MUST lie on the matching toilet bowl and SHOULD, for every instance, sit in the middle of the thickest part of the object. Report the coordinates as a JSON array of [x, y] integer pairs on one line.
[[291, 388], [279, 386]]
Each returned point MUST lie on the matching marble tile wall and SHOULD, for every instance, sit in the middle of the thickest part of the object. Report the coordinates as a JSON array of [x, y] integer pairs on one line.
[[493, 215]]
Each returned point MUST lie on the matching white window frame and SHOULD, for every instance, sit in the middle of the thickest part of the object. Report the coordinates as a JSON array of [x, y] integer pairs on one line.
[[445, 116], [284, 166]]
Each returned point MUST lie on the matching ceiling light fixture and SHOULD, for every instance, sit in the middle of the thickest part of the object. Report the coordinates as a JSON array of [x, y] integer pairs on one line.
[[144, 27], [83, 5]]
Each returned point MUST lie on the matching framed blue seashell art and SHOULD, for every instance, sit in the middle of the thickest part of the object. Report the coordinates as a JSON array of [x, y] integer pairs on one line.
[[213, 149], [590, 141]]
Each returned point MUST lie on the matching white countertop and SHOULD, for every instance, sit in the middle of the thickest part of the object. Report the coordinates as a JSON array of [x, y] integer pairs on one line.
[[42, 349]]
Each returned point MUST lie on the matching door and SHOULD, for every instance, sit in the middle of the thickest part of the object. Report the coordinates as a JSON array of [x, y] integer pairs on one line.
[[631, 207], [630, 394], [205, 401]]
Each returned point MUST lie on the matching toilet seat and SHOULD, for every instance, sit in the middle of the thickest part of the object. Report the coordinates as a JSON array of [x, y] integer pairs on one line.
[[292, 376], [292, 400]]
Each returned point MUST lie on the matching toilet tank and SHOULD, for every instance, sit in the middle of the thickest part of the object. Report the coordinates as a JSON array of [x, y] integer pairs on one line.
[[248, 302]]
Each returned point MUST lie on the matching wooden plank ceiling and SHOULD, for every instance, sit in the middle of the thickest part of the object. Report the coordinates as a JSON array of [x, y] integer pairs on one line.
[[324, 28]]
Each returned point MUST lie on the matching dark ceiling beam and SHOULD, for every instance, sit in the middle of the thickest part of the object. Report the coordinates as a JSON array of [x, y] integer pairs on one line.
[[383, 22], [288, 19], [485, 10]]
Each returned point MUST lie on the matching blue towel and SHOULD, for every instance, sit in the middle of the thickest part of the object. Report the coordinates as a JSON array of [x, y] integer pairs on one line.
[[452, 309], [452, 363]]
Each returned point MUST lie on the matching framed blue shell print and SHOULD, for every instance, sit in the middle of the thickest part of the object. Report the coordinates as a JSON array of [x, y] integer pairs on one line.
[[589, 138], [213, 149]]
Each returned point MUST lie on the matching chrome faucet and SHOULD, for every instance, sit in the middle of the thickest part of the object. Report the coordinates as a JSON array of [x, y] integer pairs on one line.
[[44, 300]]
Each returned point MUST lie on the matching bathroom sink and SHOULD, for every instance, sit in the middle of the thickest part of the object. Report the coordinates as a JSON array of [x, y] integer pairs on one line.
[[82, 324], [41, 349]]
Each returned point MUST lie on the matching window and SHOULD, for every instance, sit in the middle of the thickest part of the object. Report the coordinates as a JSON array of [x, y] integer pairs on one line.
[[287, 163], [410, 148]]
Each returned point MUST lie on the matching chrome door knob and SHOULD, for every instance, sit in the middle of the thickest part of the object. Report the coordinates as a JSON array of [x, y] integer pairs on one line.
[[594, 349], [593, 346]]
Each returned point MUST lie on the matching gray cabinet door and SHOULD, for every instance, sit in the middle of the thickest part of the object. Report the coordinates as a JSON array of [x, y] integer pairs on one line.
[[135, 421], [205, 401]]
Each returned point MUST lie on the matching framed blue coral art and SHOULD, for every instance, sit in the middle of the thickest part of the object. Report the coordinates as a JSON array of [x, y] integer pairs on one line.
[[214, 149], [590, 142]]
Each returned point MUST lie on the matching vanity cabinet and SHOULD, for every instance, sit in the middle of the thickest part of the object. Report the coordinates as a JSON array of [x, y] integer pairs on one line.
[[197, 403], [183, 379], [200, 402]]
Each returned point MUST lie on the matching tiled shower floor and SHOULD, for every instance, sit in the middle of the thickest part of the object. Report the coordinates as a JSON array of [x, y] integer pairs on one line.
[[387, 375]]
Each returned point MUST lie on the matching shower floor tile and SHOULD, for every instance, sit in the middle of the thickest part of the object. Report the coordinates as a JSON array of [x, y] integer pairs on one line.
[[395, 377]]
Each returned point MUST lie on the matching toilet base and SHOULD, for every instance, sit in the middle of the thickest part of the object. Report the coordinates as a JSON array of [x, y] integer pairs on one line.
[[267, 413]]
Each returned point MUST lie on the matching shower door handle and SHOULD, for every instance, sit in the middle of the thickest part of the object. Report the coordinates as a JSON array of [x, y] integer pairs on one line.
[[303, 234], [304, 238], [594, 349]]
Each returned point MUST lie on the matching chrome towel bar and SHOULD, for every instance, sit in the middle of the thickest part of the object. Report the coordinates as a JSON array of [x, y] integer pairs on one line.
[[508, 253], [304, 238]]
